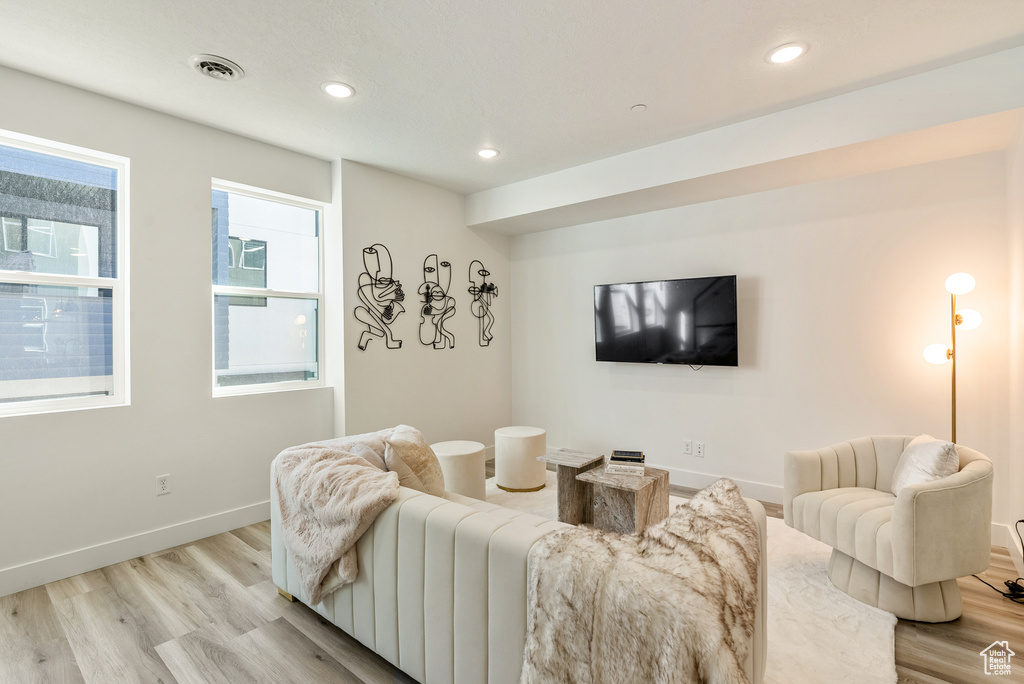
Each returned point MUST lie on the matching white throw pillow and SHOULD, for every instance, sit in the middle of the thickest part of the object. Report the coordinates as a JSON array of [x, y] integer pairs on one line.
[[364, 451], [925, 459], [409, 455]]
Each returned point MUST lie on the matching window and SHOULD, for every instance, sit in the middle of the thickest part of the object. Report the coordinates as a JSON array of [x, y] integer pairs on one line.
[[33, 313], [63, 284], [266, 290]]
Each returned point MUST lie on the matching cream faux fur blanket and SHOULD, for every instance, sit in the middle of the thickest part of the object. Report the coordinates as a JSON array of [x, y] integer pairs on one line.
[[327, 497], [674, 605]]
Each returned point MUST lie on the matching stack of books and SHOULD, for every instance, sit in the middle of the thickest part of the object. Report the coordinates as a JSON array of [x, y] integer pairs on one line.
[[625, 463]]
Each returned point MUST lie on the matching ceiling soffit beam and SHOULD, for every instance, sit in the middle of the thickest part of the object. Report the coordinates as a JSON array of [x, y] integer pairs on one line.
[[736, 159], [960, 139]]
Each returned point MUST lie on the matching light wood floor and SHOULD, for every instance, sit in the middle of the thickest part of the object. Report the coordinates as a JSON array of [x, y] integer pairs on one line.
[[207, 612], [949, 652]]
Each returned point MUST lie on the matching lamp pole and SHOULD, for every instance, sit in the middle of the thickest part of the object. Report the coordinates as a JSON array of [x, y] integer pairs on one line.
[[956, 284]]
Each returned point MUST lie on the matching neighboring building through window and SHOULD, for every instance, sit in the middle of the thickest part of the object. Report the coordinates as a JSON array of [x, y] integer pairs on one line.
[[266, 290], [62, 284]]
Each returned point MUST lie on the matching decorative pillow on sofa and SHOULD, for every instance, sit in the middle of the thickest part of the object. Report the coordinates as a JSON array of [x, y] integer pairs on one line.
[[925, 459], [408, 454], [365, 451]]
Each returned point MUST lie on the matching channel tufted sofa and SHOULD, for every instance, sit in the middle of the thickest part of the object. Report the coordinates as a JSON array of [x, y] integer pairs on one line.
[[441, 589], [899, 553]]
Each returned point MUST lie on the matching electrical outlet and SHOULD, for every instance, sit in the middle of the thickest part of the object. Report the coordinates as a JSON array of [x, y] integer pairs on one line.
[[687, 447], [163, 485], [699, 449]]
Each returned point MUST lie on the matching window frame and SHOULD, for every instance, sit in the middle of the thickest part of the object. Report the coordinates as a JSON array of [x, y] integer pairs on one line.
[[42, 325], [50, 253], [120, 285], [289, 385], [263, 248]]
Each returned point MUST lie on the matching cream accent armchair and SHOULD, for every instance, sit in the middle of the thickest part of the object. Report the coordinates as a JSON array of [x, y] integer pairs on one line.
[[899, 553]]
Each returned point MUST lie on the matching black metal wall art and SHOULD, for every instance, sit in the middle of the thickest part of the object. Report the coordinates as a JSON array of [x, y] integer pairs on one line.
[[381, 296], [438, 305], [483, 293]]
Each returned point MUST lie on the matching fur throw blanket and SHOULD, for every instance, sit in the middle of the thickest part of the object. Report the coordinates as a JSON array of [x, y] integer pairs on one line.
[[673, 605], [327, 496]]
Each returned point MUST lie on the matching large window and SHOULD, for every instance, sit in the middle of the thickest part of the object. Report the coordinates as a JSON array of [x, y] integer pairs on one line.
[[266, 290], [63, 294]]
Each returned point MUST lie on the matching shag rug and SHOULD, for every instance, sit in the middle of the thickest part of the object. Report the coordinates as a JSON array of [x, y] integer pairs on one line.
[[816, 633]]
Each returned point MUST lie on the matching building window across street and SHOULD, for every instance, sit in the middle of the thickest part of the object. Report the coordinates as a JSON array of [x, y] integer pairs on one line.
[[63, 277], [267, 325]]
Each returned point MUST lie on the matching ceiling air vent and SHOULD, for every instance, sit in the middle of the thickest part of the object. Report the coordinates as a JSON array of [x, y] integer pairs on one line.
[[216, 67]]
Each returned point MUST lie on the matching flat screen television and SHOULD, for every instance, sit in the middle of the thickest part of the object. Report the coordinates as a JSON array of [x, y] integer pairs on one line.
[[690, 321]]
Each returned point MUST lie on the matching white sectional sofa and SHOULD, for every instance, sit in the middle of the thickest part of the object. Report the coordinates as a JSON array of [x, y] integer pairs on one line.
[[441, 590]]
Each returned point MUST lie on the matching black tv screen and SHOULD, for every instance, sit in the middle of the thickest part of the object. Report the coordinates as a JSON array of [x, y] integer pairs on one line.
[[691, 321]]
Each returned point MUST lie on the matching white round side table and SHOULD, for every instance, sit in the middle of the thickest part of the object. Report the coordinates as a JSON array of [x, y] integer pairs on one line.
[[462, 463], [516, 468]]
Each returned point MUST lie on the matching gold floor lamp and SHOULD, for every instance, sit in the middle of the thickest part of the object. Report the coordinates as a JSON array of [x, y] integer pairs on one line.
[[968, 319]]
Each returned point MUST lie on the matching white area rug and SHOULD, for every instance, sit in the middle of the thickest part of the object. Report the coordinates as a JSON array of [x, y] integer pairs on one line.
[[816, 633]]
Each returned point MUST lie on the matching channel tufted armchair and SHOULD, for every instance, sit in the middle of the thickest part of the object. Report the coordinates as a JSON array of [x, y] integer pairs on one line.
[[900, 553]]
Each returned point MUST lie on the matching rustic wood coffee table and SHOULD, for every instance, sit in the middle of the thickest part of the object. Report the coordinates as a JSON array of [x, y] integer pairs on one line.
[[574, 500], [627, 503]]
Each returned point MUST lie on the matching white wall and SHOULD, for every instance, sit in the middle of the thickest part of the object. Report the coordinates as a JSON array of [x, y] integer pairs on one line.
[[840, 287], [77, 489], [460, 393], [1015, 224]]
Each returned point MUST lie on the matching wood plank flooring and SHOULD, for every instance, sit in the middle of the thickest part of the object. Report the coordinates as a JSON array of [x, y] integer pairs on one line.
[[208, 612], [949, 652], [200, 613]]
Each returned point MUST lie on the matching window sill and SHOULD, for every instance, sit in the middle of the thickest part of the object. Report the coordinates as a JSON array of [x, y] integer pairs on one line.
[[269, 388], [44, 406]]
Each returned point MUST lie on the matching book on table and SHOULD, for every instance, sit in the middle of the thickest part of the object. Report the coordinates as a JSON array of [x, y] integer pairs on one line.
[[625, 463]]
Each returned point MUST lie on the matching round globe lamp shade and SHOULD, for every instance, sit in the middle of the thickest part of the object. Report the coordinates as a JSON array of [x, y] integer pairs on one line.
[[960, 283], [936, 353], [971, 319]]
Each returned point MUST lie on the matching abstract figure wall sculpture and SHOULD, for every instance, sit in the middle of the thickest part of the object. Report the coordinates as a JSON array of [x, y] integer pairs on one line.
[[483, 292], [381, 296], [438, 306]]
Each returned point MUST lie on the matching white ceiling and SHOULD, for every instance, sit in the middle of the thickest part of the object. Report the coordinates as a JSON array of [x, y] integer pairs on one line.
[[550, 83]]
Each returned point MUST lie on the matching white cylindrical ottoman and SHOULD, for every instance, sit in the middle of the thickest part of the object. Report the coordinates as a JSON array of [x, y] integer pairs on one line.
[[516, 468], [462, 463]]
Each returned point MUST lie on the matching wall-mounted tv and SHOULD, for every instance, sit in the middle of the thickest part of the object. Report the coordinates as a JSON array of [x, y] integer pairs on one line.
[[690, 321]]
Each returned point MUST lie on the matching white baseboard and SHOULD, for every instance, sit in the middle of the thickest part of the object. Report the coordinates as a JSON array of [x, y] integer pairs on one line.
[[754, 490], [686, 478], [36, 573]]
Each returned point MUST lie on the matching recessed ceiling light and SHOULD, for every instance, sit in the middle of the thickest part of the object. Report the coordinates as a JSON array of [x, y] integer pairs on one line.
[[638, 108], [336, 89], [786, 53], [487, 153]]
